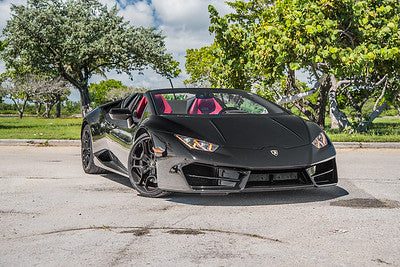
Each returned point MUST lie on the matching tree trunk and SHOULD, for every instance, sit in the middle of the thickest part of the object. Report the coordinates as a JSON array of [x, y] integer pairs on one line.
[[85, 101], [374, 114], [83, 91], [40, 107], [58, 113], [321, 102], [358, 114], [334, 121], [22, 109], [339, 119], [49, 106], [47, 111], [36, 108]]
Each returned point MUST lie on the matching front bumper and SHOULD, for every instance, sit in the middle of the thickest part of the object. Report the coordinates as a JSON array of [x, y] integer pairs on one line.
[[190, 176]]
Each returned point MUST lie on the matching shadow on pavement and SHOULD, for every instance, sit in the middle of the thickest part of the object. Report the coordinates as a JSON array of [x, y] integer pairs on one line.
[[117, 178], [264, 198]]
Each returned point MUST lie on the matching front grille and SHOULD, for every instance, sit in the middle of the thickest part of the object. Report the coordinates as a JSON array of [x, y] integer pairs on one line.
[[207, 177], [268, 178], [201, 176]]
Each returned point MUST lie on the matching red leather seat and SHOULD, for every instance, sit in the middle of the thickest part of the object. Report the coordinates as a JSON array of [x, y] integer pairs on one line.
[[162, 104], [205, 106], [141, 106]]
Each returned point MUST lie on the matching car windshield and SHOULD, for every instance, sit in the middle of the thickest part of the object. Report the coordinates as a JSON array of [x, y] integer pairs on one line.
[[211, 102]]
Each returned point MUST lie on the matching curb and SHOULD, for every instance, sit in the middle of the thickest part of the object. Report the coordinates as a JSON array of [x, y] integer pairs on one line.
[[77, 143], [38, 142], [386, 145]]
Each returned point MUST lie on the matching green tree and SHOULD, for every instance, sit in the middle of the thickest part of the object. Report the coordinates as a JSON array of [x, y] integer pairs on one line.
[[343, 45], [199, 65], [17, 89], [47, 92], [355, 44], [122, 92], [2, 46], [78, 38], [99, 90]]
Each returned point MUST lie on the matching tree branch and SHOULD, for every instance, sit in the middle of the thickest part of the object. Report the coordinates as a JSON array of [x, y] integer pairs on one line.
[[348, 36], [382, 94], [287, 99], [381, 80], [314, 70]]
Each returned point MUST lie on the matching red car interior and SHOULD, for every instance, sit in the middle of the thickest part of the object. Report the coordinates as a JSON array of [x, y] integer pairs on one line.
[[162, 104], [141, 106], [205, 106]]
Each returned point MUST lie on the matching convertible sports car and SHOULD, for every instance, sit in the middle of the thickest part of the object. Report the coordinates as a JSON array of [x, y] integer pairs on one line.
[[206, 141]]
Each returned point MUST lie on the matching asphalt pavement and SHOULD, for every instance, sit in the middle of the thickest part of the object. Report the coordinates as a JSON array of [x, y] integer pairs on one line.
[[51, 213]]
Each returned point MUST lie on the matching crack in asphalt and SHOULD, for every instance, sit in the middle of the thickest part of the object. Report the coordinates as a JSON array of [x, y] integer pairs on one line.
[[146, 230], [186, 232], [12, 211]]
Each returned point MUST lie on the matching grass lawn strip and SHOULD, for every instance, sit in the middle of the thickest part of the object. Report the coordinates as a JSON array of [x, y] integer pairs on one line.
[[385, 129], [40, 128]]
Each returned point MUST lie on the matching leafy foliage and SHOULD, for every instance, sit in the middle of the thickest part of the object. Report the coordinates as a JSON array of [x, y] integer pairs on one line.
[[199, 66], [353, 45], [37, 89], [122, 92], [78, 38], [98, 91]]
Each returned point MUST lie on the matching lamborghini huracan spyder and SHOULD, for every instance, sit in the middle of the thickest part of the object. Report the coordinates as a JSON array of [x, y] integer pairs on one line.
[[206, 141]]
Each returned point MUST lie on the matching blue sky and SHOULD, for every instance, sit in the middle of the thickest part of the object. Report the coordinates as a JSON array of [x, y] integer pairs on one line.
[[184, 23]]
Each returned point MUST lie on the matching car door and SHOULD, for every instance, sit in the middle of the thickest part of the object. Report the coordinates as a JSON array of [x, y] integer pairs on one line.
[[121, 133]]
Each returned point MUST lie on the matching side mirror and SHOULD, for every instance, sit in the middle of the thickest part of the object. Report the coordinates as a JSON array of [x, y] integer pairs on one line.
[[135, 117], [120, 113]]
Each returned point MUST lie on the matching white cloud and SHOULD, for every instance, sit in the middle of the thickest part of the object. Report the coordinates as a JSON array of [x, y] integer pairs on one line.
[[139, 14], [6, 12], [109, 3], [187, 14], [184, 23]]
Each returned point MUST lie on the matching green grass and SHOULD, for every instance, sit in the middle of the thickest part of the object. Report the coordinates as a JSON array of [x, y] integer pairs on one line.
[[382, 130], [39, 128]]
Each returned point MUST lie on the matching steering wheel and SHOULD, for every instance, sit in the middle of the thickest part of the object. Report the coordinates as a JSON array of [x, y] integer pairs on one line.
[[226, 109]]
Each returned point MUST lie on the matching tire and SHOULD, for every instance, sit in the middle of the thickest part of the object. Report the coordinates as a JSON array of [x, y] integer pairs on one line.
[[87, 152], [143, 169]]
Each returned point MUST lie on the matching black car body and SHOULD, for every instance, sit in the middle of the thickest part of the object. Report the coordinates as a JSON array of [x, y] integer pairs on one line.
[[206, 141]]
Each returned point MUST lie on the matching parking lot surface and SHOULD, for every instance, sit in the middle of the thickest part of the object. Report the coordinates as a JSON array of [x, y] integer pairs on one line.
[[51, 213]]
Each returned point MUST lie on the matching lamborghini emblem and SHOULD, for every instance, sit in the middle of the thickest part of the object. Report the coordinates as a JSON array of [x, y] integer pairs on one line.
[[274, 152]]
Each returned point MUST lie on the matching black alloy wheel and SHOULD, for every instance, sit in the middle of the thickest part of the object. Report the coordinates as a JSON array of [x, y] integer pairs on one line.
[[87, 152], [143, 169]]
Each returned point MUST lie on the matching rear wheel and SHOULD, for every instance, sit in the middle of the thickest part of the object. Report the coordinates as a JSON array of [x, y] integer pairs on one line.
[[142, 167], [87, 152]]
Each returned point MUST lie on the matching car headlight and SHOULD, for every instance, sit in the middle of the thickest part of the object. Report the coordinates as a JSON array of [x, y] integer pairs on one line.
[[320, 141], [194, 143]]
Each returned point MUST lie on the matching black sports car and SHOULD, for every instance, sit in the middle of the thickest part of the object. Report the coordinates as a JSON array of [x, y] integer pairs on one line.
[[206, 141]]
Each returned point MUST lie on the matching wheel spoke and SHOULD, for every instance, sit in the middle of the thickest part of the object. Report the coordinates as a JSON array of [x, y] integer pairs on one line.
[[142, 180], [146, 159], [142, 165]]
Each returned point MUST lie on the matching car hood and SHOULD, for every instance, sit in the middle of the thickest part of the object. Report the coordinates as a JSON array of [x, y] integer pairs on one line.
[[250, 132]]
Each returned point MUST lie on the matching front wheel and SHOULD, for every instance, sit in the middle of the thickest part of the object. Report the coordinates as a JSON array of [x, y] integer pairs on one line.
[[87, 152], [143, 169]]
